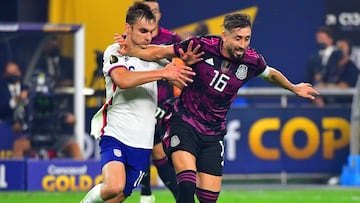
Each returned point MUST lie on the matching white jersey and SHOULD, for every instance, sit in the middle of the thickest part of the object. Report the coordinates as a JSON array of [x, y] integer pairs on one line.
[[128, 114]]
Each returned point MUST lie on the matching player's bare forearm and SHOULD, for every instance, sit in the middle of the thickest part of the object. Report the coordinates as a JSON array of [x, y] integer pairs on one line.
[[277, 78], [155, 52], [304, 90], [147, 52], [127, 79]]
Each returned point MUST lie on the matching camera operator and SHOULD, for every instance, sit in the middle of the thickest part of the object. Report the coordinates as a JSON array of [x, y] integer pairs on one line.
[[58, 73], [50, 121]]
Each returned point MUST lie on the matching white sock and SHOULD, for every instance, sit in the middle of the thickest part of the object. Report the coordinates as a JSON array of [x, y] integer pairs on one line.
[[94, 195]]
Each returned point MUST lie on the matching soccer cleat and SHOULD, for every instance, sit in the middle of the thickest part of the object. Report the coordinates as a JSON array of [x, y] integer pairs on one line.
[[147, 199]]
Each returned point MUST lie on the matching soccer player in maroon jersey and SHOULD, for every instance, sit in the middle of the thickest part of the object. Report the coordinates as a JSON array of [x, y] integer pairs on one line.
[[166, 90], [195, 121]]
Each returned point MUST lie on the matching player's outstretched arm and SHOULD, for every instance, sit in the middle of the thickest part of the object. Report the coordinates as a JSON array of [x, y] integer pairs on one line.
[[154, 52], [150, 52], [124, 78], [304, 90]]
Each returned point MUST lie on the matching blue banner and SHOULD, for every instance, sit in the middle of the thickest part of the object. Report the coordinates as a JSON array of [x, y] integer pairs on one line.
[[63, 175], [12, 175], [295, 140]]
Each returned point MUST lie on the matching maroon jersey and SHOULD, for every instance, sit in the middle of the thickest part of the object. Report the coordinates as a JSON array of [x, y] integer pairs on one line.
[[205, 102], [165, 37]]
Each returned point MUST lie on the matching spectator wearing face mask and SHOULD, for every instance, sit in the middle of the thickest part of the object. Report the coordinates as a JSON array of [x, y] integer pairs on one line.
[[321, 64], [56, 65], [344, 75], [14, 98], [12, 92], [325, 59], [60, 70]]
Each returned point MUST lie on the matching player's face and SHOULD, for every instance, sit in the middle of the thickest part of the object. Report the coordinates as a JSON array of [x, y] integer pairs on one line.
[[155, 9], [140, 32], [236, 42]]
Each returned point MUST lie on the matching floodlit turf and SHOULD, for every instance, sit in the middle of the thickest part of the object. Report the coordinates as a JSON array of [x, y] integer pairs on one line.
[[331, 195]]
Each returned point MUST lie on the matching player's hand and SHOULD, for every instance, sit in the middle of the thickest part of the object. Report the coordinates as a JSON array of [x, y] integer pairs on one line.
[[176, 73], [125, 47], [305, 90], [192, 55]]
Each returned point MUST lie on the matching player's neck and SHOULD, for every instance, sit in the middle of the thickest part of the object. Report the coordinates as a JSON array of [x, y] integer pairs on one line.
[[224, 52]]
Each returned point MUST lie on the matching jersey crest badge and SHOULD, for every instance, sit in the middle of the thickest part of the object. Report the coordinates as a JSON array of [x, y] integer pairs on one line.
[[241, 72], [113, 59], [117, 152], [225, 66], [175, 141]]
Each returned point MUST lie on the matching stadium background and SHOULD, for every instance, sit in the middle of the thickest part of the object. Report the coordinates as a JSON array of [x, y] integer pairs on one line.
[[273, 137]]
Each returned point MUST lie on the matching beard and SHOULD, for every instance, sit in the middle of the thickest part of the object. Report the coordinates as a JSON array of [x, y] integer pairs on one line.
[[233, 52]]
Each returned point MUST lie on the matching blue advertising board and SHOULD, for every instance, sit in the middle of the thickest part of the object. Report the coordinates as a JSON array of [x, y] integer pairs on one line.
[[12, 175], [295, 140], [62, 175], [258, 140]]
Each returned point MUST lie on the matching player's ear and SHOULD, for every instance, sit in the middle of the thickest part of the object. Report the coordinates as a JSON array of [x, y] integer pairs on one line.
[[127, 28], [223, 36]]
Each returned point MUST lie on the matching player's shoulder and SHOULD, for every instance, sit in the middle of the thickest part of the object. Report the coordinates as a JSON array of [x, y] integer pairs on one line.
[[253, 56], [112, 49], [168, 35], [252, 52], [210, 40], [165, 31]]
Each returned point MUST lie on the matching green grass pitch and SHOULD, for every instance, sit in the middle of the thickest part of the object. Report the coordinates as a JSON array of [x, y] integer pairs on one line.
[[304, 195]]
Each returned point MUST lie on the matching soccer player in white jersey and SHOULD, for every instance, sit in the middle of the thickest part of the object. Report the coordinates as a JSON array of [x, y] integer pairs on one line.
[[125, 123], [196, 120]]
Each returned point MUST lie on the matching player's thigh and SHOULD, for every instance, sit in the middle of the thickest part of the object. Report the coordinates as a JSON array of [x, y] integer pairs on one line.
[[114, 175], [183, 160], [113, 164], [137, 164], [182, 145], [210, 159], [158, 152], [210, 162], [209, 182]]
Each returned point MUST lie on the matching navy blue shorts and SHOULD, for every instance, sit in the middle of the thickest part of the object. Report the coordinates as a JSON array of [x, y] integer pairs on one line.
[[136, 160], [208, 150]]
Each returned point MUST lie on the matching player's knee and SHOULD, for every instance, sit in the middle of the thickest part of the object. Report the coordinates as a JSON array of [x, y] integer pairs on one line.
[[112, 190]]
